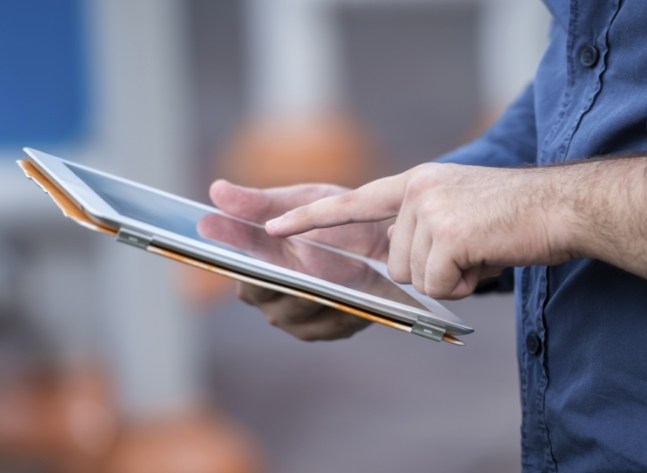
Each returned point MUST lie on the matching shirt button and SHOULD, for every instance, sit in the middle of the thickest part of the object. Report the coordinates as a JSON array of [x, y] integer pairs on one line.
[[533, 343], [589, 55]]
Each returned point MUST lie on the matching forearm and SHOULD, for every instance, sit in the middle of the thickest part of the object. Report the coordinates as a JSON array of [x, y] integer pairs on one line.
[[601, 211], [458, 224]]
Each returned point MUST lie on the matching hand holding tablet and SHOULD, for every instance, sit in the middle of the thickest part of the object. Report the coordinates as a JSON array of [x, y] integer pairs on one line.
[[301, 318]]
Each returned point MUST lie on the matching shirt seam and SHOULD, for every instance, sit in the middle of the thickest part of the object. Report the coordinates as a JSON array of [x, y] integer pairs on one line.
[[570, 81], [590, 99]]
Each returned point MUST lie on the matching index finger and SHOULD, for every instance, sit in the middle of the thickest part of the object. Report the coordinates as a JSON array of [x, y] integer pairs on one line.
[[375, 201]]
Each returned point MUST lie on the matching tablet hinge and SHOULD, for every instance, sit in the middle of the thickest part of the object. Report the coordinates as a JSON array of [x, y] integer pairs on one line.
[[133, 238], [425, 328]]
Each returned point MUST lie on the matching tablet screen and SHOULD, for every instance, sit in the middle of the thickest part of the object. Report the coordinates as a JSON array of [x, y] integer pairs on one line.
[[193, 221]]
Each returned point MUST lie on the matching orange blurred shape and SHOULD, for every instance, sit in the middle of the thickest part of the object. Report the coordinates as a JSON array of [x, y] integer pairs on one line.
[[192, 444], [331, 149], [63, 420]]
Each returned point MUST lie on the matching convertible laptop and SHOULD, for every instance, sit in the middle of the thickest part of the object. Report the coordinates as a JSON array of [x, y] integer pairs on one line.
[[174, 227]]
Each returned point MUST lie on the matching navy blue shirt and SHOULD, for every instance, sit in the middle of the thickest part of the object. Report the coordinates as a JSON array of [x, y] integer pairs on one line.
[[581, 326]]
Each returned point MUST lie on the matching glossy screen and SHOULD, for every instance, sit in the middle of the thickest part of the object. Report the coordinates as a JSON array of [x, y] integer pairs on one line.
[[192, 221]]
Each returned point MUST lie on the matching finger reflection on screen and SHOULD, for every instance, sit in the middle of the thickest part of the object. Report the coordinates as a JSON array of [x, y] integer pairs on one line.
[[300, 255], [197, 222], [289, 253]]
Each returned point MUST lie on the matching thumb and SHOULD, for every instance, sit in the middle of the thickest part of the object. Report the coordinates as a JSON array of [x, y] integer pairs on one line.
[[260, 205]]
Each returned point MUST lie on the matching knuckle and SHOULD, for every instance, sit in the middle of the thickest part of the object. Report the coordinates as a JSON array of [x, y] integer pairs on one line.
[[415, 188], [344, 199], [451, 230], [424, 177]]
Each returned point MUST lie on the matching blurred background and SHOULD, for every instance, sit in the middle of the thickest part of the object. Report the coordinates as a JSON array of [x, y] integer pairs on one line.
[[117, 361]]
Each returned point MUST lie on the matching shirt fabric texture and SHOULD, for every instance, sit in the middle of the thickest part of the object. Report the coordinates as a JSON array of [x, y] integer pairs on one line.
[[582, 325]]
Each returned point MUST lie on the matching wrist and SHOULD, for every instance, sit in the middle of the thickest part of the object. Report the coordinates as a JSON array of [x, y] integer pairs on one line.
[[599, 211], [568, 220]]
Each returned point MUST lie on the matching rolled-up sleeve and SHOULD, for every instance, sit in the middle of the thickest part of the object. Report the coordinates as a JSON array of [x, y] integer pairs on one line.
[[510, 142]]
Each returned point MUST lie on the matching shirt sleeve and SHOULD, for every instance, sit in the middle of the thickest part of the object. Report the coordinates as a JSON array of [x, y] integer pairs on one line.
[[510, 142]]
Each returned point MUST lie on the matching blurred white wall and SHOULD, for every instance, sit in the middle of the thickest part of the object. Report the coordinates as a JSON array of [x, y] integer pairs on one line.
[[171, 80], [142, 88], [513, 37], [93, 297]]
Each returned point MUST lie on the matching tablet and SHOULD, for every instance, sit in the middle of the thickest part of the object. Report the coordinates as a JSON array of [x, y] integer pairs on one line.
[[170, 226]]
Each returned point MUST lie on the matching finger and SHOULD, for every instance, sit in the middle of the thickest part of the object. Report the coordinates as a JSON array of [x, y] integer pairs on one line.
[[467, 284], [254, 295], [418, 255], [329, 324], [375, 201], [251, 239], [445, 278], [305, 319], [260, 205], [301, 318], [325, 324], [310, 321], [286, 311], [399, 260]]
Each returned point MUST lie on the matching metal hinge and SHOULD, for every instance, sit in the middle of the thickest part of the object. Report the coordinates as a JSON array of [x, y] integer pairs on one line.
[[133, 238], [425, 328]]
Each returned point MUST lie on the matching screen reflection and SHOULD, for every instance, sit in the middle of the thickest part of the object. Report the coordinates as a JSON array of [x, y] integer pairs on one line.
[[193, 221]]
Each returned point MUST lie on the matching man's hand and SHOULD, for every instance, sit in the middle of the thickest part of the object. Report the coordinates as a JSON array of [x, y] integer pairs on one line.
[[455, 224], [303, 319]]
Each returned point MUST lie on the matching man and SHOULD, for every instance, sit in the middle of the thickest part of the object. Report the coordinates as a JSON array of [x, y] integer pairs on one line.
[[574, 226]]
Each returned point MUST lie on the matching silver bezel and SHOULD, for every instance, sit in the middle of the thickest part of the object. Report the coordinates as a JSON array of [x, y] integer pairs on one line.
[[58, 172]]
